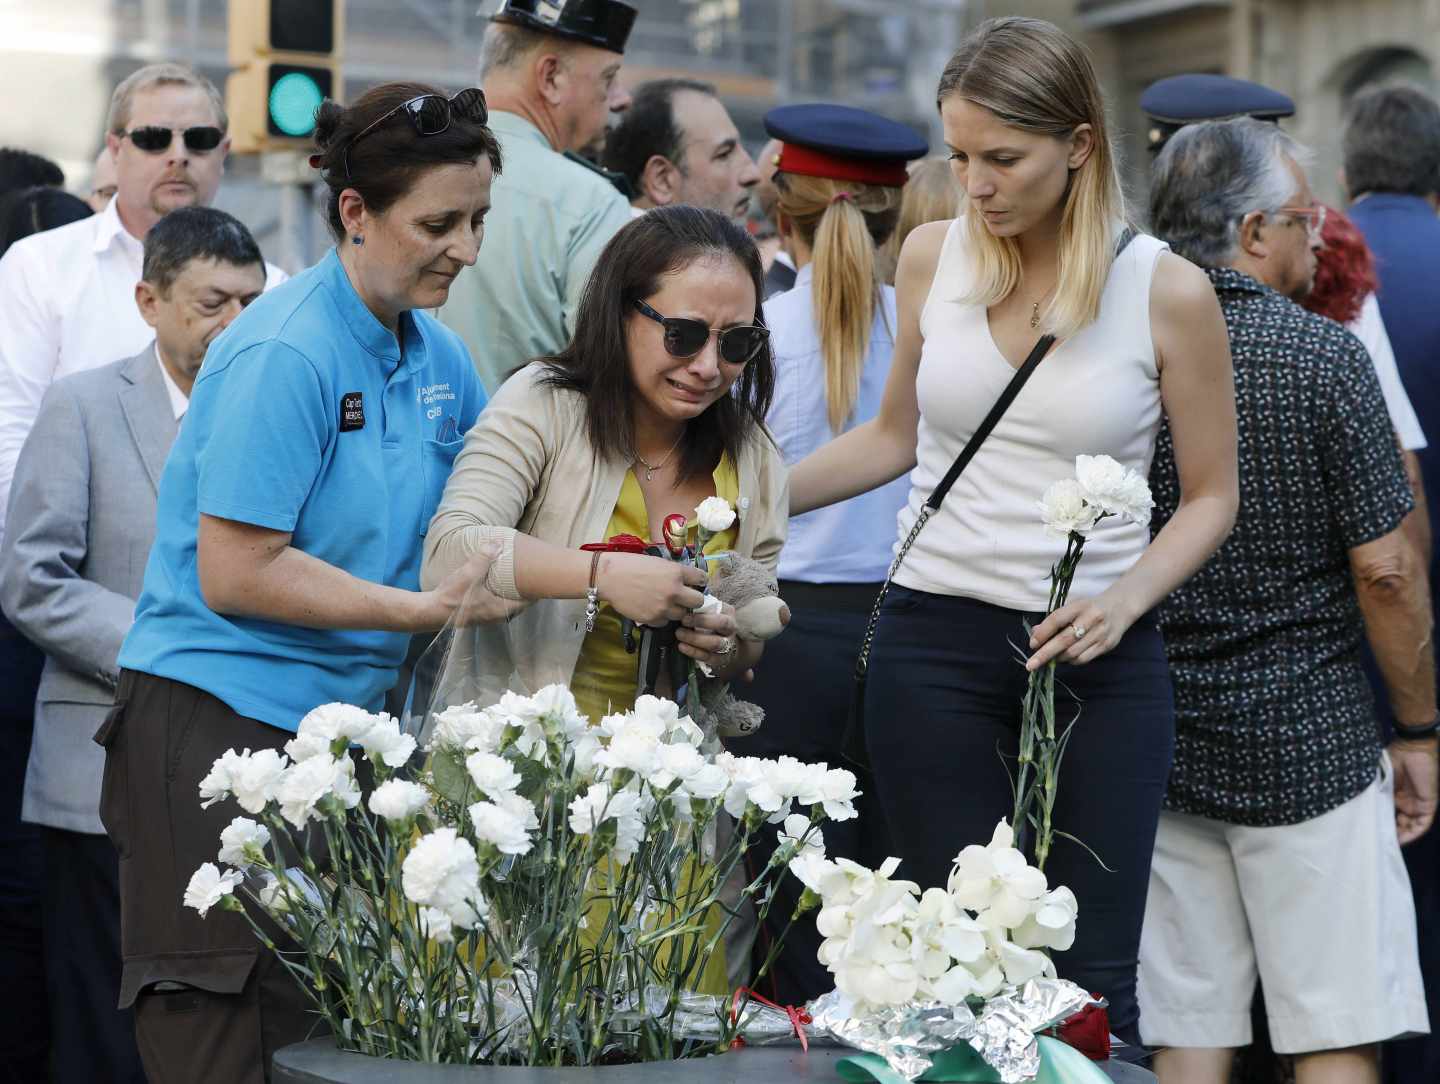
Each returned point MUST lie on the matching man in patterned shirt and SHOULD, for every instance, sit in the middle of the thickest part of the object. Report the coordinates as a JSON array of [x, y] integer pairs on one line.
[[1278, 854]]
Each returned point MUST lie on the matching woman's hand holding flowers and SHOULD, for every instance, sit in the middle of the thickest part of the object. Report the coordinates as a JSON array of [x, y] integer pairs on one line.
[[650, 590], [1080, 632], [710, 639]]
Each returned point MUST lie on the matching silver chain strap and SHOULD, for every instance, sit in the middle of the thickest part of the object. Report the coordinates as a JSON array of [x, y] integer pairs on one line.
[[862, 662]]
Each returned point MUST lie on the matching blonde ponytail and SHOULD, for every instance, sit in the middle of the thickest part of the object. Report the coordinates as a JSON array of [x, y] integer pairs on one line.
[[842, 222]]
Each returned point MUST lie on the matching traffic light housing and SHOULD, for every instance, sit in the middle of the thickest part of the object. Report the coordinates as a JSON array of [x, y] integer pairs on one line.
[[287, 59]]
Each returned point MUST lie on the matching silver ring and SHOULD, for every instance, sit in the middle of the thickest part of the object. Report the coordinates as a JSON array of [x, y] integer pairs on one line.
[[726, 646], [1079, 631]]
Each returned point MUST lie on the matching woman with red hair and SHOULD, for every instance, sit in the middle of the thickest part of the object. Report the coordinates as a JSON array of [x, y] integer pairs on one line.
[[1344, 290]]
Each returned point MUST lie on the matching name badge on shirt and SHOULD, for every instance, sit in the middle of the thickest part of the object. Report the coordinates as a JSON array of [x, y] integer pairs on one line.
[[352, 411]]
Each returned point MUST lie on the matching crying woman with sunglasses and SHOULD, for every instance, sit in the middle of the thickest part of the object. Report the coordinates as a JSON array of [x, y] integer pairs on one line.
[[656, 404]]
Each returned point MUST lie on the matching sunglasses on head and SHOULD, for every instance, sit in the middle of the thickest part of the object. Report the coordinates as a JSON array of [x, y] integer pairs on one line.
[[156, 139], [430, 114], [686, 338]]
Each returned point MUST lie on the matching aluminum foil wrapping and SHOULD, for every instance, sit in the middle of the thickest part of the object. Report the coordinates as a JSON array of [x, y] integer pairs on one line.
[[698, 1016], [908, 1036]]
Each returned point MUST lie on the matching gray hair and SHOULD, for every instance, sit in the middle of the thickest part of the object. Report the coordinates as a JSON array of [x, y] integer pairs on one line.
[[160, 75], [1210, 176], [506, 45]]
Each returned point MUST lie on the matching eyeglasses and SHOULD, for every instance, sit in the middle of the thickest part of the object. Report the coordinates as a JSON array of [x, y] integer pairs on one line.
[[430, 114], [1313, 217], [686, 338], [156, 139]]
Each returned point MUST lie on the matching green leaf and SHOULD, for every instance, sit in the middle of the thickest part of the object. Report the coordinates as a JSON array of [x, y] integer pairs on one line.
[[452, 781]]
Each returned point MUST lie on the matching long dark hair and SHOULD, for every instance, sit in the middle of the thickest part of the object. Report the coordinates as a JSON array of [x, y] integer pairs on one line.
[[597, 361], [35, 210]]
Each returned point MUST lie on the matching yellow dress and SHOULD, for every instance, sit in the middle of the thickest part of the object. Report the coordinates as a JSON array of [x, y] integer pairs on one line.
[[605, 673], [604, 680]]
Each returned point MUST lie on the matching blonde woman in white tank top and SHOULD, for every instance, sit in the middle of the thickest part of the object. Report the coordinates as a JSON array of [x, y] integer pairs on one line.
[[1138, 335]]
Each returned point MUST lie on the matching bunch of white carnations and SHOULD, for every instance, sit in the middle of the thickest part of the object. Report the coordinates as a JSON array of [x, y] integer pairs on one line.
[[889, 943], [1070, 509], [513, 898]]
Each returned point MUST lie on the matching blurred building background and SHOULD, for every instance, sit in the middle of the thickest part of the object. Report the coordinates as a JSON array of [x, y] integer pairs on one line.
[[60, 58]]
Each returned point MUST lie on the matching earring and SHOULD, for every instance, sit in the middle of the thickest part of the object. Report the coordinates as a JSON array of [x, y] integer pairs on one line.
[[357, 240]]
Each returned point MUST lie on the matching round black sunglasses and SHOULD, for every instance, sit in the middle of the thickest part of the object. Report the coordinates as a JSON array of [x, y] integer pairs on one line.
[[686, 338]]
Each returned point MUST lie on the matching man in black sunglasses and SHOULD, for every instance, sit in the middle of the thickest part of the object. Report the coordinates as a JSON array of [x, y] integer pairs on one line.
[[551, 74], [67, 295]]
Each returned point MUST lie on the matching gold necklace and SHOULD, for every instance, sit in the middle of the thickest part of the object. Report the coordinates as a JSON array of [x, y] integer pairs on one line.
[[1035, 308], [649, 470]]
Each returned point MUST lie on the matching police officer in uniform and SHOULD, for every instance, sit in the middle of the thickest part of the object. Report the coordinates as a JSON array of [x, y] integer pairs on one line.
[[550, 71], [1178, 100]]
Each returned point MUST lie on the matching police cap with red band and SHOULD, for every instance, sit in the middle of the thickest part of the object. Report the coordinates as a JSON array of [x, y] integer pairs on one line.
[[602, 23], [844, 143]]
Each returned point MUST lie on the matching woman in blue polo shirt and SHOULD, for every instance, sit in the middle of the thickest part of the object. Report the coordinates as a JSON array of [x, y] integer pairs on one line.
[[285, 572]]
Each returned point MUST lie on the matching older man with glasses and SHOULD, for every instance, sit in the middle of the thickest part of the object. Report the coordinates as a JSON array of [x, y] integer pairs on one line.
[[1278, 854]]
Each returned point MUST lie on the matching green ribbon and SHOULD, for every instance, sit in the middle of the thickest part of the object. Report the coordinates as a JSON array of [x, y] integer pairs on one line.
[[1060, 1063]]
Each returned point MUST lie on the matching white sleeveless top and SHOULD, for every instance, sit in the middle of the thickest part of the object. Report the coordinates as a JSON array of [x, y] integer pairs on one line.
[[1097, 392]]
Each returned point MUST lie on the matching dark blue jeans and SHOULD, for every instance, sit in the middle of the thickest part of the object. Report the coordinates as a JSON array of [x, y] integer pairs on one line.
[[942, 707], [804, 684]]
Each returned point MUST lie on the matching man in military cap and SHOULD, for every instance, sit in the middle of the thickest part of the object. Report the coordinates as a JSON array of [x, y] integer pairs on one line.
[[1186, 99], [551, 73]]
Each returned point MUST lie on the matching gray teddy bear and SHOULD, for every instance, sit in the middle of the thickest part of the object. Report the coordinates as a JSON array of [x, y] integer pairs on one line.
[[760, 614]]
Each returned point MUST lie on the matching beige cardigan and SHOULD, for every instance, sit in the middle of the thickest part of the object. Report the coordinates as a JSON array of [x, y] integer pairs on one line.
[[528, 466]]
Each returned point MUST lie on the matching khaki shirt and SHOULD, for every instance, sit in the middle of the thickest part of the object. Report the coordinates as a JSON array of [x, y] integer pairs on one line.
[[528, 466], [549, 218]]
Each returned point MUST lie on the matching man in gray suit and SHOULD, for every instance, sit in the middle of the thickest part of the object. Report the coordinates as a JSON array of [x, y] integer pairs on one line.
[[81, 522]]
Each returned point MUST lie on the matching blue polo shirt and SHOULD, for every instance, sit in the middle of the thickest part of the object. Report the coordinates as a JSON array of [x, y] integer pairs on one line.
[[307, 417]]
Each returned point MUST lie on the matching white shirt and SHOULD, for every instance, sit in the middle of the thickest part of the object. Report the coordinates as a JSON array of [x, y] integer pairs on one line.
[[849, 542], [67, 305], [179, 401], [1096, 393], [1369, 328]]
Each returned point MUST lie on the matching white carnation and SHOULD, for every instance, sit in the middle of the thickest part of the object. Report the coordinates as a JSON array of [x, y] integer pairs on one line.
[[500, 827], [465, 726], [520, 807], [218, 781], [305, 784], [208, 886], [398, 799], [436, 925], [336, 722], [384, 743], [256, 777], [243, 842], [1118, 490], [442, 871], [304, 746], [492, 774], [798, 832], [714, 514], [1065, 509]]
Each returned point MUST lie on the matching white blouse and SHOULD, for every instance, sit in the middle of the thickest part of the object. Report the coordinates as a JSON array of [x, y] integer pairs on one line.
[[1097, 392], [849, 542]]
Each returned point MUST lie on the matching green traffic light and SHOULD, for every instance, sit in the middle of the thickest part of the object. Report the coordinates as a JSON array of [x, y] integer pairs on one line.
[[293, 101]]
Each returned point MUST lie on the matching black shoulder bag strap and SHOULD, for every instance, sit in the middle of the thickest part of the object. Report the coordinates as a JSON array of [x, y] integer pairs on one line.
[[853, 742]]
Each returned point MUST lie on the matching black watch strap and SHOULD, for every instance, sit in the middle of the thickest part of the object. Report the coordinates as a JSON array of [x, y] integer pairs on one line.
[[1413, 733]]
